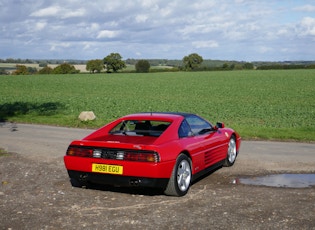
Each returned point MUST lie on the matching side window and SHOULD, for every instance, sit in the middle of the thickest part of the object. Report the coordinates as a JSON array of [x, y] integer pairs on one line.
[[198, 125], [184, 130]]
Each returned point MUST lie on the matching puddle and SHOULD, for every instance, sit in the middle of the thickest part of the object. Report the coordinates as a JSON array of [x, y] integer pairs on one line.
[[280, 180]]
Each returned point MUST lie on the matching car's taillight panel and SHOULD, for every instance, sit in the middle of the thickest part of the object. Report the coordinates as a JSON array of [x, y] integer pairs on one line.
[[79, 152], [114, 154], [143, 157]]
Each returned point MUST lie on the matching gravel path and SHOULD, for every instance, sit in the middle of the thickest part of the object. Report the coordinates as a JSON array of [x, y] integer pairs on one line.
[[35, 192]]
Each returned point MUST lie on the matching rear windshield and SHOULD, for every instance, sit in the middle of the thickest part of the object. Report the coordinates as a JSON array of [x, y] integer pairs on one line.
[[140, 128]]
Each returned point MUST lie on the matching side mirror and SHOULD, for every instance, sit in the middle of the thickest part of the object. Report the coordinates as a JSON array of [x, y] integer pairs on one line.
[[219, 125]]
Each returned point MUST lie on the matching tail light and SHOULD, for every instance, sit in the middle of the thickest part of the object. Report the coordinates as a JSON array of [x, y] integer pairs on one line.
[[143, 157], [79, 152], [114, 154]]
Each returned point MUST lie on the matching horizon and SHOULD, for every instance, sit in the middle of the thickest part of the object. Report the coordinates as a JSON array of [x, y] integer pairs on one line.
[[85, 60]]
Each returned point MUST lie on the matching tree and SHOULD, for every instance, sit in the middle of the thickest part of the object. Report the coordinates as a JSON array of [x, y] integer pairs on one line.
[[43, 64], [94, 66], [46, 70], [65, 68], [3, 71], [21, 70], [248, 65], [192, 61], [32, 70], [142, 66], [225, 66], [113, 62]]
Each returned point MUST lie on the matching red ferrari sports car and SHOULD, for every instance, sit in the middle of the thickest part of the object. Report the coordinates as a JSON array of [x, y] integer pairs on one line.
[[163, 150]]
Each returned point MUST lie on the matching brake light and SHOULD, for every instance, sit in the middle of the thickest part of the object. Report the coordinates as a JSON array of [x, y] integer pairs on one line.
[[79, 152], [143, 157]]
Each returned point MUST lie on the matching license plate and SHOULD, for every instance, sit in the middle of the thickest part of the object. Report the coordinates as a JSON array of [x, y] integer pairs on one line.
[[111, 169]]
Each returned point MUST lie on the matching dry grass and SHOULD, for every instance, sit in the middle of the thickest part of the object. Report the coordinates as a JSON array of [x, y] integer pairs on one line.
[[13, 65]]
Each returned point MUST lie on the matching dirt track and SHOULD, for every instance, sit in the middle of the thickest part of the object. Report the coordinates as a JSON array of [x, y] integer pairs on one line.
[[35, 192]]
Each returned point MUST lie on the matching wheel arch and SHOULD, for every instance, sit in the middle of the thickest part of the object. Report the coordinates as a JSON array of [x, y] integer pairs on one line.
[[178, 184], [187, 153]]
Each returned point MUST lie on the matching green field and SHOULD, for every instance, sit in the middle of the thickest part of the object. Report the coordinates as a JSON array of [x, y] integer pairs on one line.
[[278, 105]]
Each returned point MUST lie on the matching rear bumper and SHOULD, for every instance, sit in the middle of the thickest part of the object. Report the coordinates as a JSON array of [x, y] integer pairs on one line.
[[124, 181], [130, 168]]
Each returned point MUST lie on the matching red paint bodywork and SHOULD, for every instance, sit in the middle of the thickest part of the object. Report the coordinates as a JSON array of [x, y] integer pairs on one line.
[[204, 150]]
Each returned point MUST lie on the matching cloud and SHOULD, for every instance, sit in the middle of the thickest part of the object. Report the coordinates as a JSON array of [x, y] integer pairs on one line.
[[77, 13], [107, 34], [47, 12], [264, 49], [307, 26], [306, 8], [40, 25], [205, 44], [57, 11], [238, 29], [141, 18]]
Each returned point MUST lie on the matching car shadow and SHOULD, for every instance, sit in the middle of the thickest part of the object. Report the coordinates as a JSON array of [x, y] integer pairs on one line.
[[126, 190], [203, 176], [136, 190]]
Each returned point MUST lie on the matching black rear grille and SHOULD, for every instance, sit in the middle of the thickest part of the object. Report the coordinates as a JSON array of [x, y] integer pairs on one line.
[[109, 153], [126, 154]]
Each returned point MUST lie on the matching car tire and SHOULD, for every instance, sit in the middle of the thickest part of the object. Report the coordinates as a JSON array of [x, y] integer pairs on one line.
[[231, 153], [180, 179]]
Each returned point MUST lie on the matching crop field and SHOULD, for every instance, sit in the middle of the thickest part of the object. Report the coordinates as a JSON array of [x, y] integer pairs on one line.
[[274, 104]]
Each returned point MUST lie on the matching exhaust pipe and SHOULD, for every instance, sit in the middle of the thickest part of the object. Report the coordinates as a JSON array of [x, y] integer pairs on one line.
[[83, 177], [134, 182]]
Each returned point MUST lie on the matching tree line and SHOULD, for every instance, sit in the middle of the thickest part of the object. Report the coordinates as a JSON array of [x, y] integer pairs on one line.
[[64, 68], [113, 63]]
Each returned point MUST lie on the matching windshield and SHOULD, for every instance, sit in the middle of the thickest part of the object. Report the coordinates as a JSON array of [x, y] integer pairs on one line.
[[140, 128]]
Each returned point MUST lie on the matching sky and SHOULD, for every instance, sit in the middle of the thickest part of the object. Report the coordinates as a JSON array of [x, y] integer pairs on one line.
[[240, 30]]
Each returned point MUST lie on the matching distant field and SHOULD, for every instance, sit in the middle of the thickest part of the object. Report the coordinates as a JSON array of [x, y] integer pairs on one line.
[[10, 67], [259, 104], [13, 65], [82, 68]]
